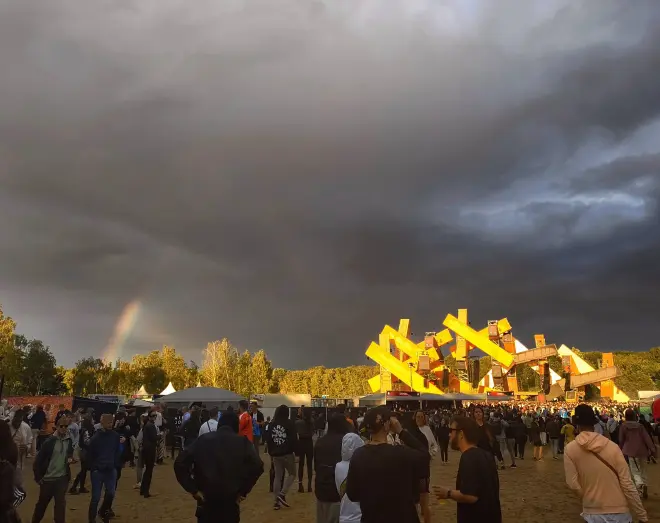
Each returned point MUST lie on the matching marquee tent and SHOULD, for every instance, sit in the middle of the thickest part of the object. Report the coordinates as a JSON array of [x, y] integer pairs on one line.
[[168, 390], [210, 396]]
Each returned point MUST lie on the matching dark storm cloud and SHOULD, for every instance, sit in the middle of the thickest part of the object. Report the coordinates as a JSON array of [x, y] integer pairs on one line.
[[294, 176]]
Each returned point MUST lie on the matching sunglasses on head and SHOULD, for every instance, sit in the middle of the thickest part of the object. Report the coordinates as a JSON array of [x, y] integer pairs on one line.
[[63, 426]]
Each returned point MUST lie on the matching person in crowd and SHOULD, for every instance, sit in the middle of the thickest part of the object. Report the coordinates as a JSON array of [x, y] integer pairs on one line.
[[219, 470], [535, 439], [282, 441], [305, 449], [520, 436], [62, 410], [341, 409], [384, 479], [649, 429], [597, 471], [613, 428], [22, 436], [104, 456], [553, 428], [52, 472], [477, 492], [428, 438], [257, 425], [86, 433], [245, 427], [211, 423], [190, 427], [349, 511], [150, 452], [12, 492], [637, 446], [124, 432], [327, 454], [37, 423], [487, 439], [442, 433]]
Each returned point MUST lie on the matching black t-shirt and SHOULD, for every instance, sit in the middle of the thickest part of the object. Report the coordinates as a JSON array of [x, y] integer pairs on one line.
[[477, 476], [385, 480]]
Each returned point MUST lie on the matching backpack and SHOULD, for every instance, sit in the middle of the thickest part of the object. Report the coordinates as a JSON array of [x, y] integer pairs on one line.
[[11, 495]]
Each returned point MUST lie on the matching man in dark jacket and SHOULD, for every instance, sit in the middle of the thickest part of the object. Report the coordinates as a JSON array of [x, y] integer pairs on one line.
[[327, 453], [104, 457], [219, 470], [52, 472], [282, 441], [150, 440]]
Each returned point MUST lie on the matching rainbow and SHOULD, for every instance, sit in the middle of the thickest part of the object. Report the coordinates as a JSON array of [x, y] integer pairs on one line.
[[123, 328]]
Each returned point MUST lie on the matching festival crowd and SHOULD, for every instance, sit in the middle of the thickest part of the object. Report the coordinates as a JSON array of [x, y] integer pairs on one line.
[[371, 466]]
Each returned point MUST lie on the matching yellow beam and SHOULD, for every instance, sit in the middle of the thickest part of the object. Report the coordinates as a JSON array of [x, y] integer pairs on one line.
[[481, 342], [408, 347], [461, 343], [404, 328], [374, 383], [400, 370]]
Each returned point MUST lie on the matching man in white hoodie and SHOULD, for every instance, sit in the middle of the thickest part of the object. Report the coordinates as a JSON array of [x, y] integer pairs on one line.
[[597, 471], [349, 511]]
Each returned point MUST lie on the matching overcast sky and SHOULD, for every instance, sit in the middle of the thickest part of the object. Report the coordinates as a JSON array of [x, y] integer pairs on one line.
[[293, 175]]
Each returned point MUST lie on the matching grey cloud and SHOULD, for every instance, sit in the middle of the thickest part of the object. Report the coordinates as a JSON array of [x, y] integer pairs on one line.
[[294, 176]]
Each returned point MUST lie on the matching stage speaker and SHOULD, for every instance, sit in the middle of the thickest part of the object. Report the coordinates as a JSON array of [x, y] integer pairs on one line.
[[566, 363], [545, 373], [445, 378], [493, 331], [475, 373], [497, 370], [567, 377], [429, 340], [507, 337], [423, 363]]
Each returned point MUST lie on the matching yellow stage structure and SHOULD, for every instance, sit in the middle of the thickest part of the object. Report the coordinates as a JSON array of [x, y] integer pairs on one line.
[[420, 366]]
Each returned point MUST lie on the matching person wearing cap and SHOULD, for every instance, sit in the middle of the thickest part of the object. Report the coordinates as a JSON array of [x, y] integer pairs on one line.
[[219, 470], [597, 471], [385, 479]]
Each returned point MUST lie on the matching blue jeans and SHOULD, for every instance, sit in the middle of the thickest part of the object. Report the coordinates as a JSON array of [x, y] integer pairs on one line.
[[102, 478]]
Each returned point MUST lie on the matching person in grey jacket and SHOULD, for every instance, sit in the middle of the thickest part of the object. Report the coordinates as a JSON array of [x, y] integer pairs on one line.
[[637, 446]]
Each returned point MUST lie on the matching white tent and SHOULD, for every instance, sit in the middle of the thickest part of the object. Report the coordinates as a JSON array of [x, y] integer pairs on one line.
[[142, 403], [142, 392], [208, 395], [168, 390], [199, 383]]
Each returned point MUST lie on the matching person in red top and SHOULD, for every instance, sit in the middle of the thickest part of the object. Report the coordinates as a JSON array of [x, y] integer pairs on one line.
[[245, 420]]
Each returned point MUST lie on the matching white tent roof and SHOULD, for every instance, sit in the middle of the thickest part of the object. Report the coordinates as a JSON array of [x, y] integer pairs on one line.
[[168, 390], [203, 394], [142, 403], [142, 392]]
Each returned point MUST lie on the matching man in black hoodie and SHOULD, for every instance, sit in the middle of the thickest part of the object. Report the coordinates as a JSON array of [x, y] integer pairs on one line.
[[219, 470], [149, 453], [104, 457], [327, 453], [282, 440], [385, 479]]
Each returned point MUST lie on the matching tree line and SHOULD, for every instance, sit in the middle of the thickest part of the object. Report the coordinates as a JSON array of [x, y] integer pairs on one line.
[[30, 368]]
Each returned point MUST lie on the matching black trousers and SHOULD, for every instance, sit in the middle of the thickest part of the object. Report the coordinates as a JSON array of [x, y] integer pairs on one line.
[[305, 450], [48, 490], [520, 447], [444, 450], [82, 476], [149, 460], [218, 512]]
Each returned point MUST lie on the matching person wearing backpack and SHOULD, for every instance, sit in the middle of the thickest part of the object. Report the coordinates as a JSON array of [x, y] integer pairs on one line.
[[610, 495]]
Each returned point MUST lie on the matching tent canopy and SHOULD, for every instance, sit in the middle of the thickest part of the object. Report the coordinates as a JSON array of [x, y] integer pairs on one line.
[[142, 403], [203, 395], [168, 390], [142, 392]]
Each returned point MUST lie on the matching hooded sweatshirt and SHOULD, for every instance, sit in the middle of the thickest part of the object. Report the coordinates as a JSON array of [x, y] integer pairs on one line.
[[598, 487], [635, 441], [349, 511]]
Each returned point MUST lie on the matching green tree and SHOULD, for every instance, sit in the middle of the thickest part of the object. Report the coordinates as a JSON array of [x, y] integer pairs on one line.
[[11, 357], [40, 374]]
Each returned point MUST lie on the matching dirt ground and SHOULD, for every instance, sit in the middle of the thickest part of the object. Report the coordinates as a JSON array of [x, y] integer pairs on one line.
[[534, 492]]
